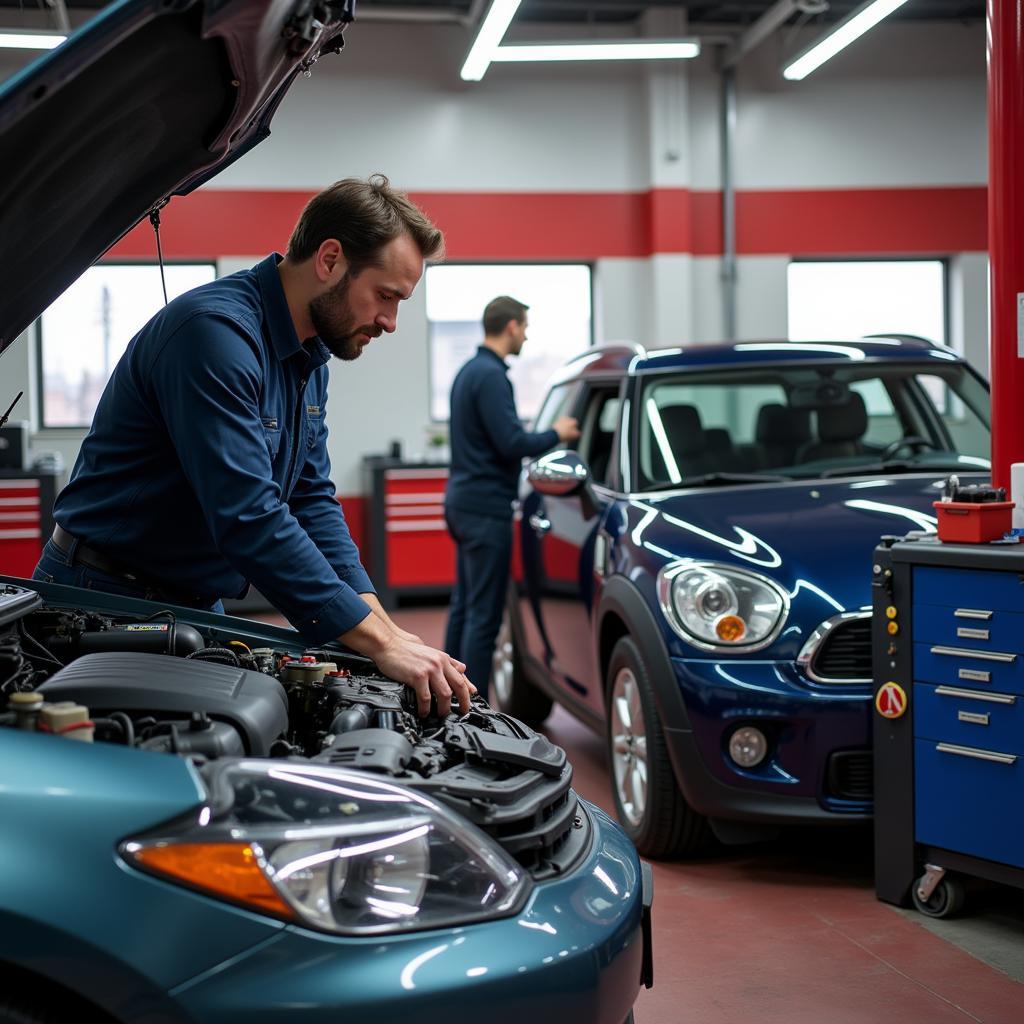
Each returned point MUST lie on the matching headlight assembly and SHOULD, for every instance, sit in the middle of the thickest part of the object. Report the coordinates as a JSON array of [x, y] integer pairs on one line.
[[717, 607], [333, 850]]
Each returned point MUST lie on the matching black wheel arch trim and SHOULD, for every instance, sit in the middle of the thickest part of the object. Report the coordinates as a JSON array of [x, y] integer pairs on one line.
[[703, 792]]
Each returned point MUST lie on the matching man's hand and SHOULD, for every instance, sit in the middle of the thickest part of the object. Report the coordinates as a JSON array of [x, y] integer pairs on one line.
[[420, 667], [567, 428], [427, 671]]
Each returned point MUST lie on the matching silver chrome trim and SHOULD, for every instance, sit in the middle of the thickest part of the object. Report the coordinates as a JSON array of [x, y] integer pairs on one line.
[[968, 633], [978, 755], [963, 652], [972, 613], [974, 675], [989, 698], [973, 717], [666, 577], [805, 659]]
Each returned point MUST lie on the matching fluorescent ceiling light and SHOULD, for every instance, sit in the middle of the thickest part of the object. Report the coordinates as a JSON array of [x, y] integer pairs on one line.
[[852, 27], [676, 49], [13, 39], [492, 31]]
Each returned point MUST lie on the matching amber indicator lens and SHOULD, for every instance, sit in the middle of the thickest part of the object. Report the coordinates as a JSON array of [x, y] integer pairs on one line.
[[730, 628], [228, 870]]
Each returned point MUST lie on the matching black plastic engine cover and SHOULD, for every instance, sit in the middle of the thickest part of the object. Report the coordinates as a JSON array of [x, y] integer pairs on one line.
[[159, 685]]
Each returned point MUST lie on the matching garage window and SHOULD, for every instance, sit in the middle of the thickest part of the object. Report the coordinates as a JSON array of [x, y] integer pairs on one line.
[[82, 334], [843, 299], [560, 318]]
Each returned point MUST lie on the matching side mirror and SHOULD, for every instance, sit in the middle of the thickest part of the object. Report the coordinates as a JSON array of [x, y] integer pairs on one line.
[[558, 474]]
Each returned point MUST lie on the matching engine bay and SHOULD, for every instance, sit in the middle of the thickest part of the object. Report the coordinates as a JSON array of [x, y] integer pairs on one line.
[[161, 684]]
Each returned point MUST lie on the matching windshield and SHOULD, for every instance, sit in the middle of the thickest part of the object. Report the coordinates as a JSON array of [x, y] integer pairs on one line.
[[796, 422]]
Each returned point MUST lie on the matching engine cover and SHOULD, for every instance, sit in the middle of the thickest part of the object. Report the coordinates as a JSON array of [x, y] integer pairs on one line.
[[162, 686]]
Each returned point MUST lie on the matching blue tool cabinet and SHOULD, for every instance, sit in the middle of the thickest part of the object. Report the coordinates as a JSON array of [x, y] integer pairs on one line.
[[948, 630]]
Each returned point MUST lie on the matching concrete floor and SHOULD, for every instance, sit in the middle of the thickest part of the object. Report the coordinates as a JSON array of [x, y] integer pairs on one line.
[[790, 931]]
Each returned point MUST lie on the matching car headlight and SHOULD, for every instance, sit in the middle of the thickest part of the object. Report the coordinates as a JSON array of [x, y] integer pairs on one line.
[[333, 850], [717, 607]]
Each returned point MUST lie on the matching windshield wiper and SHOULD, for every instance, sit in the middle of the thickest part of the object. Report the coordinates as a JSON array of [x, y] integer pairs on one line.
[[893, 466], [724, 479]]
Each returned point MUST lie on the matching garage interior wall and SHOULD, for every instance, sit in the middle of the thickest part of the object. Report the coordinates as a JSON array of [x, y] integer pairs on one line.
[[882, 152]]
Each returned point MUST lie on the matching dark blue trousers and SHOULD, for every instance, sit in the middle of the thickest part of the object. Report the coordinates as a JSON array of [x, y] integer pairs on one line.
[[484, 546]]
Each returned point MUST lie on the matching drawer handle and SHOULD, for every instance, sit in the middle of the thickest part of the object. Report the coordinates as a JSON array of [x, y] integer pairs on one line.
[[962, 652], [978, 755], [966, 633], [972, 717], [975, 675], [989, 698], [972, 613]]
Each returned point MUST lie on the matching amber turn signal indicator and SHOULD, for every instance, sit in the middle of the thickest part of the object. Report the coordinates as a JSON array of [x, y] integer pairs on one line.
[[227, 870], [730, 628]]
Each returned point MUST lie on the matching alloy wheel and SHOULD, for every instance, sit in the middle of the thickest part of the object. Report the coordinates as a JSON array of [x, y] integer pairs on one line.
[[629, 746]]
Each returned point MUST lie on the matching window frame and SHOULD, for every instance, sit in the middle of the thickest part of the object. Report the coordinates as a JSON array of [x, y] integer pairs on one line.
[[943, 260], [54, 429], [591, 268]]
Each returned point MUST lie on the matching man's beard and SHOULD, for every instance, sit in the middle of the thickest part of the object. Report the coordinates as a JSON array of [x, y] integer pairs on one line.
[[334, 323]]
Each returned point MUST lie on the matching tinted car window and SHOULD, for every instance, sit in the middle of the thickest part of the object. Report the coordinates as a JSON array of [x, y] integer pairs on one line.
[[805, 421]]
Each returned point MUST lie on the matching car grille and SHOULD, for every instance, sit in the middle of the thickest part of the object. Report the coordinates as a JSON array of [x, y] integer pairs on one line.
[[851, 775], [845, 654], [538, 819]]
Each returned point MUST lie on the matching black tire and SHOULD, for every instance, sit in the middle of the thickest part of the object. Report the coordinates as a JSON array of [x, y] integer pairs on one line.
[[650, 807], [511, 691], [946, 899]]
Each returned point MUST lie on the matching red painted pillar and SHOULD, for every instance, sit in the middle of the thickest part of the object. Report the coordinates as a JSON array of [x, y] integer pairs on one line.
[[1006, 232]]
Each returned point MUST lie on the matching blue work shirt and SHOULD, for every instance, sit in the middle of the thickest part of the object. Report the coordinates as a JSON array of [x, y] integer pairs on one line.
[[488, 442], [206, 467]]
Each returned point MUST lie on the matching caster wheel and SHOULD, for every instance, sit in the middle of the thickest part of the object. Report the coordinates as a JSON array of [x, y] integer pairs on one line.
[[946, 899]]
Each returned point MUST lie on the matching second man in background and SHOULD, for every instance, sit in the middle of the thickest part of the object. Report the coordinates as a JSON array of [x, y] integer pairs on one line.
[[488, 444]]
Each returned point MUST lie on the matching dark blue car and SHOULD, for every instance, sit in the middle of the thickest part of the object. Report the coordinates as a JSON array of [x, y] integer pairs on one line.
[[693, 580], [201, 820]]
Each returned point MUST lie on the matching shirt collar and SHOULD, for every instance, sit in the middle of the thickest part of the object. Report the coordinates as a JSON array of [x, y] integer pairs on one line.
[[493, 355], [285, 341]]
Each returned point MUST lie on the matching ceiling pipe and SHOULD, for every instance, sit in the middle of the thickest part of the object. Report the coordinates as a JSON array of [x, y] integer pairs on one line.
[[773, 19]]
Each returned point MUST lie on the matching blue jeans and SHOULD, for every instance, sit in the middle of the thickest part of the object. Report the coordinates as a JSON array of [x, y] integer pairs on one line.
[[484, 546], [57, 566]]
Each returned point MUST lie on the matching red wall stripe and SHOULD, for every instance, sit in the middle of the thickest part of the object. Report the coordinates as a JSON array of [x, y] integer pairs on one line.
[[590, 225]]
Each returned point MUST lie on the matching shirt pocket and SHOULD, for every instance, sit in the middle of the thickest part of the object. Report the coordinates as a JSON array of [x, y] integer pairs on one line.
[[272, 432], [314, 424]]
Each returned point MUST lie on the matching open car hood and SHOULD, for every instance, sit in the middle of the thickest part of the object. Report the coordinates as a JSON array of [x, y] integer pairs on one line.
[[147, 101]]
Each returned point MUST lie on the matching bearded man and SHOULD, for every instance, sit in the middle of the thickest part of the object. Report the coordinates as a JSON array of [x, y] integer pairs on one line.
[[206, 468]]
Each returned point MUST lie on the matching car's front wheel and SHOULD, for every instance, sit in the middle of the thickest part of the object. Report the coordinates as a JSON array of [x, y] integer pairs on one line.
[[511, 691], [649, 805]]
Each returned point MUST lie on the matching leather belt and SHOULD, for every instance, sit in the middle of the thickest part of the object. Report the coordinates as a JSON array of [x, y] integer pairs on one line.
[[90, 556]]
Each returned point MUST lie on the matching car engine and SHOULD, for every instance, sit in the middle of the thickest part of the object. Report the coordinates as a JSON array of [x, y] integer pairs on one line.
[[159, 684]]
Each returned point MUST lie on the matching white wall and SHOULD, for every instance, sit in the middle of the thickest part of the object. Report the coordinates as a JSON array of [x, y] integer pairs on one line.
[[903, 107]]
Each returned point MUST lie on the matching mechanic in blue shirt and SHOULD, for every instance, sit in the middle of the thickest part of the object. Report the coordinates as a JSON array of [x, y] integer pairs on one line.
[[488, 444], [206, 467]]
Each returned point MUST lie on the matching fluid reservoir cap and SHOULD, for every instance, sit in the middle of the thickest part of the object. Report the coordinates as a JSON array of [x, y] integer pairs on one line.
[[25, 700], [308, 659], [891, 612], [893, 628]]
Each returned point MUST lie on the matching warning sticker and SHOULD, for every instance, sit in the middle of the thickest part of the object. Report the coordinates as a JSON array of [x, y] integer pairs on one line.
[[147, 627], [891, 701]]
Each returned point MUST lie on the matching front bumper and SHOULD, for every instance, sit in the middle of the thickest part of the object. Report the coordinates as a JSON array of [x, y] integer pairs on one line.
[[579, 950], [807, 724]]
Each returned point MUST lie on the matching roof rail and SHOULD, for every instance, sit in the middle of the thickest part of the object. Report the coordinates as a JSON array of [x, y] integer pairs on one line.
[[630, 348], [901, 336]]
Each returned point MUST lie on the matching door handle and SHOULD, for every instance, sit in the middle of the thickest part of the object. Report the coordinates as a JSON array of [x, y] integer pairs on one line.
[[539, 523]]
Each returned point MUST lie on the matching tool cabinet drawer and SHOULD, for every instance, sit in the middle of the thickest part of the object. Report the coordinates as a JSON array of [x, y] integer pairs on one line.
[[955, 714], [970, 799], [969, 588], [979, 627], [956, 665]]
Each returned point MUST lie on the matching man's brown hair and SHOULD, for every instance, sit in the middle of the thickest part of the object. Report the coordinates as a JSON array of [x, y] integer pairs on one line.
[[499, 311], [363, 216]]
